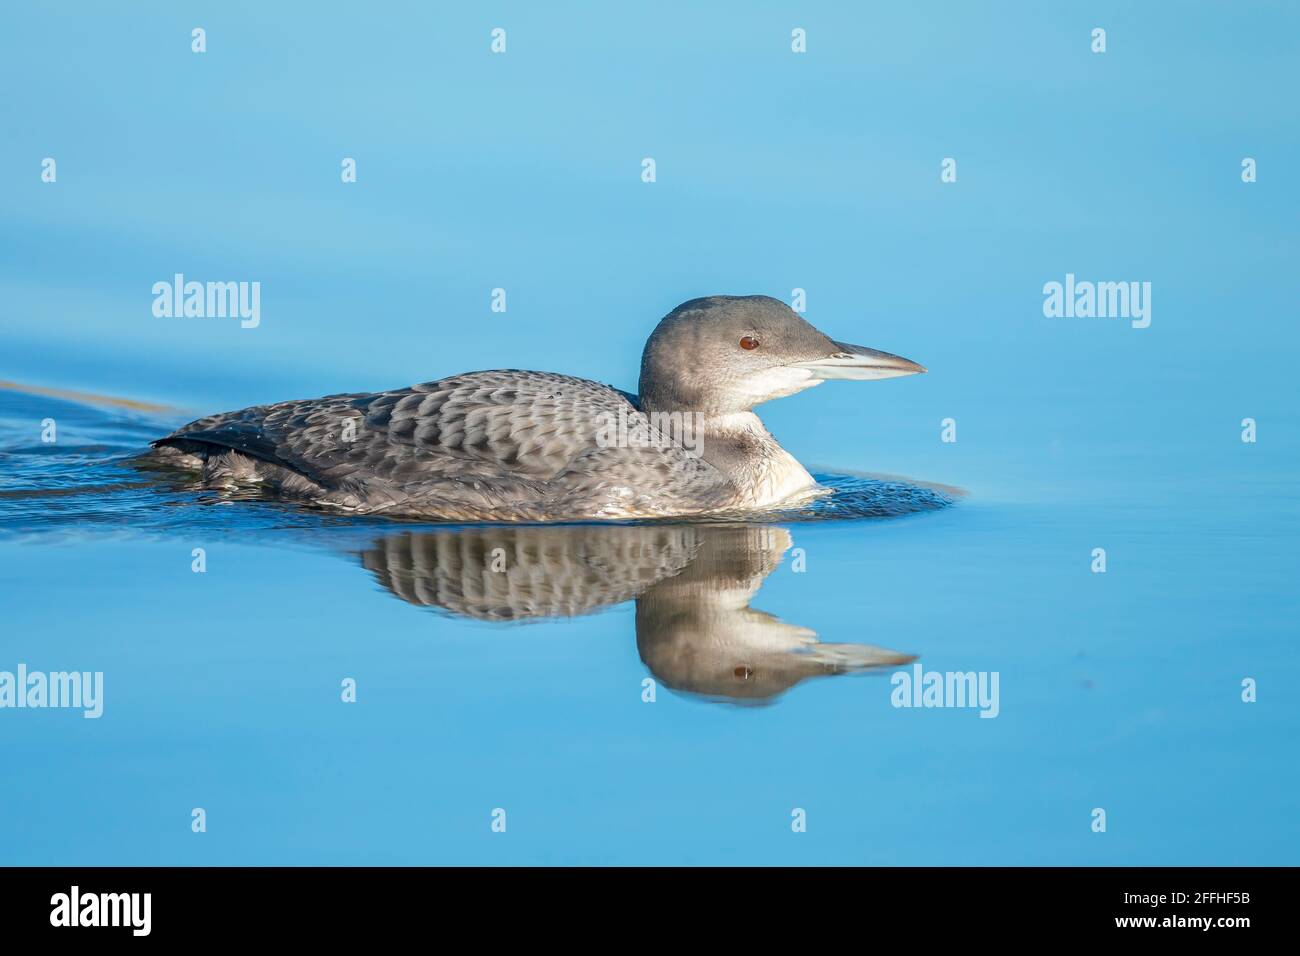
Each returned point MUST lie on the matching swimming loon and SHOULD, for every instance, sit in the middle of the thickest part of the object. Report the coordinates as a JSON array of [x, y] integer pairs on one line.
[[511, 446]]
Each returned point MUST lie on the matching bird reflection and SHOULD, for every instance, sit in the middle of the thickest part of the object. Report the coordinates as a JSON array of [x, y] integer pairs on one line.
[[692, 585]]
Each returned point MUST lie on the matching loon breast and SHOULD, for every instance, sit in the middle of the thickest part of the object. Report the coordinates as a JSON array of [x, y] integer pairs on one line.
[[761, 472]]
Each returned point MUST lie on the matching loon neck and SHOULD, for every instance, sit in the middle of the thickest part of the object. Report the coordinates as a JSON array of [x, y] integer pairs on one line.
[[760, 470]]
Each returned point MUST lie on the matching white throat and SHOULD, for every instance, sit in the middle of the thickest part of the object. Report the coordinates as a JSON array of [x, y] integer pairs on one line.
[[776, 382], [764, 473]]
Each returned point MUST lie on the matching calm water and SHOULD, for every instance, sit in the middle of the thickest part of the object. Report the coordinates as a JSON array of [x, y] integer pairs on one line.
[[772, 644], [524, 690]]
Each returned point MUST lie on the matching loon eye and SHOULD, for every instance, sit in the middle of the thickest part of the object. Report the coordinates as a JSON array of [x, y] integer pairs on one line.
[[749, 343], [743, 672]]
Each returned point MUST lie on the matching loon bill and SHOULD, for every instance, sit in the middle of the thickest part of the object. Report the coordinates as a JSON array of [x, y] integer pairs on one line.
[[537, 446]]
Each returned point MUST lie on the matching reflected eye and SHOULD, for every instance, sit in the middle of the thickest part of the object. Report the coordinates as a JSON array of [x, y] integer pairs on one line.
[[749, 343]]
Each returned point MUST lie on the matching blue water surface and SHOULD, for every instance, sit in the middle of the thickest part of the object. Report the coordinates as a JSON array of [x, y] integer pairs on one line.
[[775, 171]]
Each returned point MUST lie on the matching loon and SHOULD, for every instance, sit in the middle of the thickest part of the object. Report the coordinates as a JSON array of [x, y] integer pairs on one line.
[[517, 446]]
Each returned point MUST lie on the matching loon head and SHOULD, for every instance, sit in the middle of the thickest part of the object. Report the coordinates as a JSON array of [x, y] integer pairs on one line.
[[728, 353]]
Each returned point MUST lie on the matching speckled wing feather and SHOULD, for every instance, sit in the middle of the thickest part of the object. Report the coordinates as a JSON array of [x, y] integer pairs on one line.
[[642, 482], [525, 423], [508, 441]]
